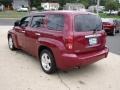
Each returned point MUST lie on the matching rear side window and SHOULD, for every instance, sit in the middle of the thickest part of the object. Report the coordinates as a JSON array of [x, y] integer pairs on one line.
[[87, 22], [56, 22], [37, 21]]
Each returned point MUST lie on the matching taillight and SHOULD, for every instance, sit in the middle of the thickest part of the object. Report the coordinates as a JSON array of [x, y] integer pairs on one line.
[[69, 42], [106, 23]]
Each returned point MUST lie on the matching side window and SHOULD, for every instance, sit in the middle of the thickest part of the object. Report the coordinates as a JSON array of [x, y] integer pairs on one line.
[[37, 21], [25, 21], [56, 22]]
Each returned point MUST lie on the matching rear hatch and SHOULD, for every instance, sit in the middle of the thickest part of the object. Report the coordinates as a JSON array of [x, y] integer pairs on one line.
[[88, 33]]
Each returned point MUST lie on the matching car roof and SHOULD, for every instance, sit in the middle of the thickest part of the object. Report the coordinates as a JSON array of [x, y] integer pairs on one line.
[[107, 18], [69, 12]]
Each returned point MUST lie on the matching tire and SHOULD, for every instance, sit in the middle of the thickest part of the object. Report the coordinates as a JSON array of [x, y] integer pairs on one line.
[[118, 31], [10, 43], [114, 32], [47, 62]]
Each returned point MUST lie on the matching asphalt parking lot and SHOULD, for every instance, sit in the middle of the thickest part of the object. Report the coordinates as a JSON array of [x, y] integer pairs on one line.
[[7, 21], [20, 71]]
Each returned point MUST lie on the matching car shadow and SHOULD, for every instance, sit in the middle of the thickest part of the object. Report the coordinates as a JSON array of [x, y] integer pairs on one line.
[[80, 70], [28, 58], [80, 75]]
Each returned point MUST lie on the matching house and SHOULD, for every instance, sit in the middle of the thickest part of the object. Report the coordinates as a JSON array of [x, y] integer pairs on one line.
[[50, 6], [74, 6], [94, 8], [1, 7], [19, 3]]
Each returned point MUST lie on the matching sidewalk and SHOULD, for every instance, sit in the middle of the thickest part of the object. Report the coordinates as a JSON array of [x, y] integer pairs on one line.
[[20, 71]]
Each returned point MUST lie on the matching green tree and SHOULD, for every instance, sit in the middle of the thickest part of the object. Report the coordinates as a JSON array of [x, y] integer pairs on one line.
[[103, 2], [117, 1], [92, 2], [62, 3], [111, 5], [84, 2], [36, 3], [6, 2]]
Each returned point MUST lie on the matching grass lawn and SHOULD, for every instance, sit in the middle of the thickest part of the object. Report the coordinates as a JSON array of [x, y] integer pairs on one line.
[[109, 16], [12, 14]]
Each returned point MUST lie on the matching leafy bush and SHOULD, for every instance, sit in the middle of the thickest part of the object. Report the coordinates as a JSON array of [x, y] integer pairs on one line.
[[60, 8], [119, 13], [40, 8]]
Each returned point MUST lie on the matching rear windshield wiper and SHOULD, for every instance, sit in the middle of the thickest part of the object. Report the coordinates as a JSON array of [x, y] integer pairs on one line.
[[96, 28]]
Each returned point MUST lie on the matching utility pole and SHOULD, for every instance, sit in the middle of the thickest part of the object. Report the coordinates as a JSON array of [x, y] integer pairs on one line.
[[98, 4], [29, 6]]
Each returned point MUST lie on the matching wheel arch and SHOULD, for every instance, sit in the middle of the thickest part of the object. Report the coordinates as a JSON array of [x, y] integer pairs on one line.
[[14, 37], [42, 47], [9, 35]]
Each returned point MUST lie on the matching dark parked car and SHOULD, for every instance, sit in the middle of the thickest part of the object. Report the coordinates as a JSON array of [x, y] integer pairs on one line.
[[111, 26], [60, 39], [117, 22]]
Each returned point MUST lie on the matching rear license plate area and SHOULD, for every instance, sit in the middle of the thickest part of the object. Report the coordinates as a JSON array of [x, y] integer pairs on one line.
[[93, 41]]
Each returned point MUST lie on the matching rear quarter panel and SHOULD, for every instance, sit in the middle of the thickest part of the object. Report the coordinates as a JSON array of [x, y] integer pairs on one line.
[[55, 40]]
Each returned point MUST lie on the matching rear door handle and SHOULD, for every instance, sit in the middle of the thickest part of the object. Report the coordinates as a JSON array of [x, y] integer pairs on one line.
[[23, 31], [38, 34]]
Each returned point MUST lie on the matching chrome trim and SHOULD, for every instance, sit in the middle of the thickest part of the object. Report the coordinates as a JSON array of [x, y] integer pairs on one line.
[[23, 31], [94, 35], [38, 34]]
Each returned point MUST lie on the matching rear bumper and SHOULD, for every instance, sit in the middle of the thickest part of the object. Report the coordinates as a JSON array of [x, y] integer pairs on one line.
[[109, 31], [108, 26], [72, 60]]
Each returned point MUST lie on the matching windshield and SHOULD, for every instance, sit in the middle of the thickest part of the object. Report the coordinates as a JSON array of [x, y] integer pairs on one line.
[[87, 22]]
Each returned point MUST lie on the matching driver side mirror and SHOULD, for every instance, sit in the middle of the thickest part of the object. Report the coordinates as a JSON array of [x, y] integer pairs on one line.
[[17, 23]]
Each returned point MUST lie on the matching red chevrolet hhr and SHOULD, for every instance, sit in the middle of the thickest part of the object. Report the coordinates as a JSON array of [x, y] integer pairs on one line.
[[60, 39]]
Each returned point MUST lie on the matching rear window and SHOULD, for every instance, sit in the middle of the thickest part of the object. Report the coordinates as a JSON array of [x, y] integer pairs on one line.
[[87, 22], [56, 22]]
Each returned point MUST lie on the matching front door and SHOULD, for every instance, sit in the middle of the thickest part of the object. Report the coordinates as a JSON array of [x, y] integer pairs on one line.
[[32, 34], [21, 30]]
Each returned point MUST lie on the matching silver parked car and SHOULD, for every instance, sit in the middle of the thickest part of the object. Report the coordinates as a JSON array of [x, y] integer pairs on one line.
[[22, 9], [1, 7]]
